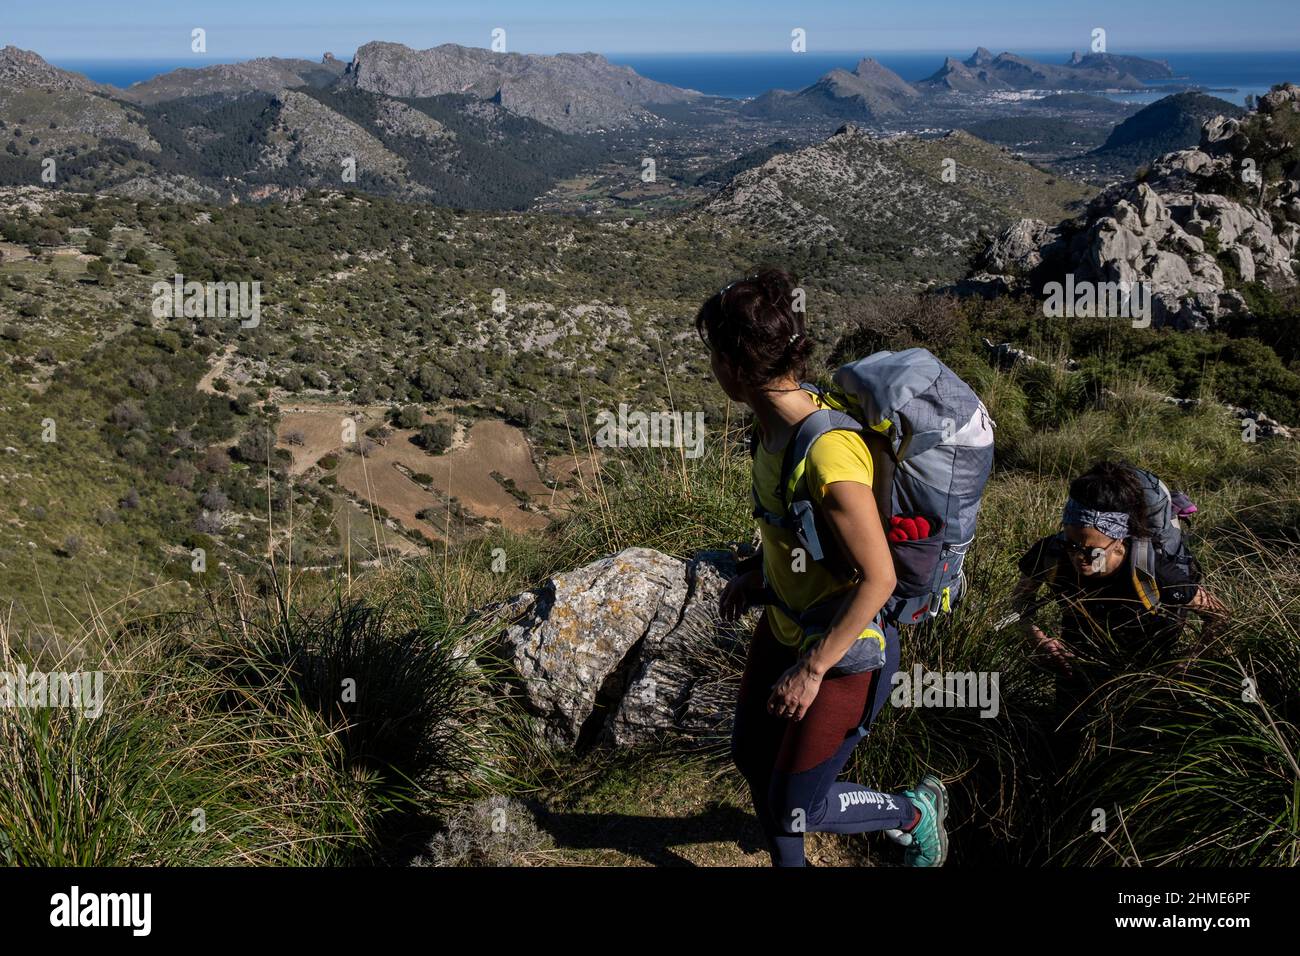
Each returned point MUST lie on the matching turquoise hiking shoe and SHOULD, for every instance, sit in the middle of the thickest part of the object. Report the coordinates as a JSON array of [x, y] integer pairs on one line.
[[928, 845]]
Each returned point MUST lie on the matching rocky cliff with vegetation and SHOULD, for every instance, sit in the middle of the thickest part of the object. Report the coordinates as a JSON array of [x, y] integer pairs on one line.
[[1213, 230]]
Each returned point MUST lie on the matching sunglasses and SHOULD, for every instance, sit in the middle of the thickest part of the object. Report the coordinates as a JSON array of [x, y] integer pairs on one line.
[[1094, 556]]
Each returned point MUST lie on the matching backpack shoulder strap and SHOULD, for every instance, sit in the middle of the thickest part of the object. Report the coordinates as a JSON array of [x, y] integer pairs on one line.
[[1142, 567], [796, 453]]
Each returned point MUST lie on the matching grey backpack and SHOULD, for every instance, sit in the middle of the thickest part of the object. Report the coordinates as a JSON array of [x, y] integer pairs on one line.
[[1166, 512], [931, 443]]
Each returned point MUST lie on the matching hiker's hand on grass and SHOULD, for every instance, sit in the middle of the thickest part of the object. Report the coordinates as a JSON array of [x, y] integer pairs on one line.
[[794, 692], [1058, 654], [734, 599]]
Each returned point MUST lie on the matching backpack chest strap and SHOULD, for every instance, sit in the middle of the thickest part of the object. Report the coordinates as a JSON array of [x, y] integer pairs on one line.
[[777, 520]]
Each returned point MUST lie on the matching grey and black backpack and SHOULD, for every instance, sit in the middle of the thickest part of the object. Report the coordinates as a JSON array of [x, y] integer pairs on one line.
[[931, 443]]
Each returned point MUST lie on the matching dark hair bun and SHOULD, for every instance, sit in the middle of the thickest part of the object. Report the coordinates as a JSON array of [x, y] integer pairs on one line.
[[776, 286], [758, 324]]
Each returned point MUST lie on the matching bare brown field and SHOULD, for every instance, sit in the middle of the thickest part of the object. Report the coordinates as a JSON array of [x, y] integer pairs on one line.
[[463, 472]]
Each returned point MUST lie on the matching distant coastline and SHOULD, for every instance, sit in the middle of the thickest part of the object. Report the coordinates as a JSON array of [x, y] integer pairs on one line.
[[1231, 76]]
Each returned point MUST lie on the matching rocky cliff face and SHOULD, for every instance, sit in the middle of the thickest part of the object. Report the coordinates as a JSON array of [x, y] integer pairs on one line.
[[23, 68], [572, 92], [1203, 223]]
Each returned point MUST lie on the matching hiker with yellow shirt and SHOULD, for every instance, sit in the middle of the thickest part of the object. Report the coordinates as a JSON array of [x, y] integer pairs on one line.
[[810, 693]]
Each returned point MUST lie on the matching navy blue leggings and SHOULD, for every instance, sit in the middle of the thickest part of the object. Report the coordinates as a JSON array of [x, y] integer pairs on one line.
[[791, 766]]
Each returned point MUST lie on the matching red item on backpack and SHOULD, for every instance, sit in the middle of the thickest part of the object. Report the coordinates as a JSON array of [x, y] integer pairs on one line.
[[908, 528]]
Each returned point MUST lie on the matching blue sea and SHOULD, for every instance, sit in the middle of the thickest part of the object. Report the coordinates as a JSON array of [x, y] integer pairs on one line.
[[740, 75], [1231, 76]]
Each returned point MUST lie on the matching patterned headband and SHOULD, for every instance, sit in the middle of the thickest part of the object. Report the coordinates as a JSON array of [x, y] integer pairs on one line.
[[1113, 524]]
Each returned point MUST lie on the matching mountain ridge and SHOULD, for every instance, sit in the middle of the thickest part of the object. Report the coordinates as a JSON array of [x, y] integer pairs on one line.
[[263, 74], [570, 91], [871, 91], [983, 71]]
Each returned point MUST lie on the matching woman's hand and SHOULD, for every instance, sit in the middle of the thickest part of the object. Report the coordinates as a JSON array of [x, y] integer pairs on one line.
[[735, 596], [1057, 653], [794, 692]]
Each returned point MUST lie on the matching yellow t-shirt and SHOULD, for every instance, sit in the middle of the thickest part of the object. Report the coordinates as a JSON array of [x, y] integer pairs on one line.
[[835, 456]]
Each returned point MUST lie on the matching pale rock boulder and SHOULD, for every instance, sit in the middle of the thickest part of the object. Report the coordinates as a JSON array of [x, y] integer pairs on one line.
[[1243, 262], [1114, 251], [1221, 134], [1185, 244], [1188, 161], [624, 650], [1127, 217], [1230, 218], [1017, 248], [1167, 270], [672, 686], [1205, 267], [1150, 207]]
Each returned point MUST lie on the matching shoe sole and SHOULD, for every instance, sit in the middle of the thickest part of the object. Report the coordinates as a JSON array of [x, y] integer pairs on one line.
[[935, 785]]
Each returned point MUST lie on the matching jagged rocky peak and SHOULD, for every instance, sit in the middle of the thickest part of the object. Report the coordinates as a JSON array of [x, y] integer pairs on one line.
[[329, 57], [983, 70], [1188, 230], [23, 68]]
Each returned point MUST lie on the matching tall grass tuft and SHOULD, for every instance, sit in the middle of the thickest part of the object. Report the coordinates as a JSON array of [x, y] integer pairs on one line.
[[256, 733]]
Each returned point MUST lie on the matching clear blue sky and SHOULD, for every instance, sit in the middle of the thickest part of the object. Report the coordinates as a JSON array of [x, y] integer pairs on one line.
[[160, 29]]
